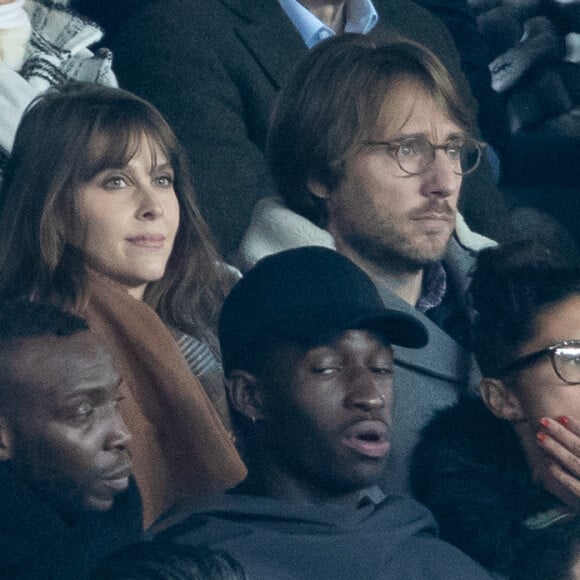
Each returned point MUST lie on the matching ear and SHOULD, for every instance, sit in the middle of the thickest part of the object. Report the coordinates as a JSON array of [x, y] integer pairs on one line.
[[318, 189], [6, 439], [501, 400], [245, 394]]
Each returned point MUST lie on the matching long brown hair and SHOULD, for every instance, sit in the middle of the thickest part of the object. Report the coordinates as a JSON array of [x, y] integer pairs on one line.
[[65, 139]]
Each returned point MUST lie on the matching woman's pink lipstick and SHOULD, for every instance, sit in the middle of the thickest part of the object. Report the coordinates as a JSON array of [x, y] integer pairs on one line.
[[147, 240]]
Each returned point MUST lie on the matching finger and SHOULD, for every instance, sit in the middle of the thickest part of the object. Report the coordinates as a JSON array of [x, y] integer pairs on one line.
[[572, 424], [560, 483], [564, 430], [564, 451]]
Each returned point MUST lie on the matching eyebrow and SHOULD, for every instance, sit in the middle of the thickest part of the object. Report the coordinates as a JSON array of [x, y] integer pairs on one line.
[[93, 390], [163, 167], [450, 136]]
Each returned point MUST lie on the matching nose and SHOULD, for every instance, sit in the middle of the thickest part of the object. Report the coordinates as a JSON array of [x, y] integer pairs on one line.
[[149, 206], [118, 435], [441, 180], [368, 392]]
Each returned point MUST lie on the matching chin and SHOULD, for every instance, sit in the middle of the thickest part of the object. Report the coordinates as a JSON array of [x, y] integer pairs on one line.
[[98, 504], [431, 252], [361, 478], [150, 275]]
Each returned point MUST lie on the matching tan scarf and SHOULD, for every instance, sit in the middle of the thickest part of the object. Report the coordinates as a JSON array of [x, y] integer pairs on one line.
[[180, 448]]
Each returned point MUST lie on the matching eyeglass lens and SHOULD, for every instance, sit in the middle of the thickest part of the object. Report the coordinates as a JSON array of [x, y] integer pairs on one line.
[[567, 362], [469, 157], [415, 155]]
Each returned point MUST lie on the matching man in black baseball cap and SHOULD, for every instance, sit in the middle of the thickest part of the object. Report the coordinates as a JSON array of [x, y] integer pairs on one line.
[[307, 295], [306, 345]]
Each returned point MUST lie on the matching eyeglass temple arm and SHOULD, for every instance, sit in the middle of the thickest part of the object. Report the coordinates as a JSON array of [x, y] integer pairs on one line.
[[523, 362]]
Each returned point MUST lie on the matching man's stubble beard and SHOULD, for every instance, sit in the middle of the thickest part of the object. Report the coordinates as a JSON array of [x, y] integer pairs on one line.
[[398, 255]]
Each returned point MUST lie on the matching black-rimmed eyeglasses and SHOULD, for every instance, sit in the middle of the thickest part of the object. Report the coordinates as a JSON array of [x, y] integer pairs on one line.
[[416, 154], [565, 357]]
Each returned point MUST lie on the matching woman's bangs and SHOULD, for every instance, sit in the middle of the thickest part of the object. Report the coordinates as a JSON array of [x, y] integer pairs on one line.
[[108, 147], [113, 142]]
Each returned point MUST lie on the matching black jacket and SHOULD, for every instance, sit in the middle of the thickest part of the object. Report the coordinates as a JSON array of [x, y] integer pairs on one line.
[[471, 472], [37, 544]]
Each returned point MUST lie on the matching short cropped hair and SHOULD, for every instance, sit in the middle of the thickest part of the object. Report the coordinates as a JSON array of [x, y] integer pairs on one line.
[[332, 101], [22, 319], [27, 319], [510, 288]]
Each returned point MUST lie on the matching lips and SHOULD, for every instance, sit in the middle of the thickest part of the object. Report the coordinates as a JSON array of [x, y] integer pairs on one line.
[[434, 212], [118, 478], [434, 223], [147, 240], [369, 438], [435, 216]]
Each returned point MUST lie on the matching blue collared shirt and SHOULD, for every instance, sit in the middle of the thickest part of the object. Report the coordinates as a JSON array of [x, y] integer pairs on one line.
[[361, 17]]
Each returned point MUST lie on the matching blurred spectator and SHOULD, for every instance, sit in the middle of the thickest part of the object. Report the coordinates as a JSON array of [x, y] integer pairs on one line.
[[534, 59], [14, 33], [58, 51]]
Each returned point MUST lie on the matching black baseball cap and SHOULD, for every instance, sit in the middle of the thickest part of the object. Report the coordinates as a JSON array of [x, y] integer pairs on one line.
[[307, 295]]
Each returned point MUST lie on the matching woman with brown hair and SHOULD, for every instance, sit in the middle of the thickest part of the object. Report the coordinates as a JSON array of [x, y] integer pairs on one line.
[[97, 214]]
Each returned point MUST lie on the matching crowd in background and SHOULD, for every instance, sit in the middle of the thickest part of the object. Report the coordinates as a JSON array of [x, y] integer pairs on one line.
[[289, 289]]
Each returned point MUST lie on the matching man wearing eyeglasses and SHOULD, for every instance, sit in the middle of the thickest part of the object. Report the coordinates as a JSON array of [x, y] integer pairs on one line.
[[369, 145], [214, 67]]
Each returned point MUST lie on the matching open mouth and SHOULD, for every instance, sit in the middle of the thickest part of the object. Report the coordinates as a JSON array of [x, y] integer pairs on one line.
[[369, 438], [118, 480]]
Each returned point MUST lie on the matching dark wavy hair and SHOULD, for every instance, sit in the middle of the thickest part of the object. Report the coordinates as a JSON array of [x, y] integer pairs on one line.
[[510, 287], [64, 139], [331, 102]]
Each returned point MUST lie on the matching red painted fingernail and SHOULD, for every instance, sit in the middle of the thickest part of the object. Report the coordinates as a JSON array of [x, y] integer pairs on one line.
[[563, 420], [541, 436], [544, 422]]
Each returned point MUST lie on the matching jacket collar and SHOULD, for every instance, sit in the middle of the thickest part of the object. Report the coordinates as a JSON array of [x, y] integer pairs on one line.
[[269, 35]]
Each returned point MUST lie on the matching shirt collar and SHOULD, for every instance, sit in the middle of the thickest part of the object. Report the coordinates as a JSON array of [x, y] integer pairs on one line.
[[361, 17], [373, 496], [434, 287]]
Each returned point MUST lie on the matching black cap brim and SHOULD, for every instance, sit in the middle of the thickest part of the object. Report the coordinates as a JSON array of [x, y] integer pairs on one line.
[[398, 327]]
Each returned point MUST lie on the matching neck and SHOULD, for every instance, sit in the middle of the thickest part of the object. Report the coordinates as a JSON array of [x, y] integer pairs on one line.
[[136, 291], [333, 14], [406, 283], [270, 479]]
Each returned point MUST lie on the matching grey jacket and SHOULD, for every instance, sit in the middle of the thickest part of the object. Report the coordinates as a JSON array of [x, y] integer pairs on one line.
[[393, 538], [425, 380]]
